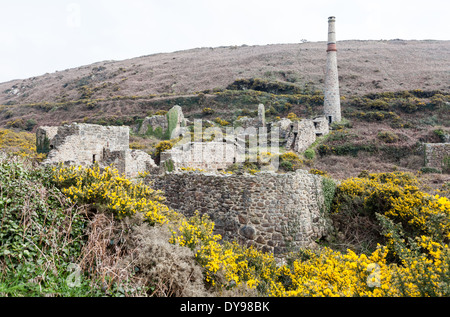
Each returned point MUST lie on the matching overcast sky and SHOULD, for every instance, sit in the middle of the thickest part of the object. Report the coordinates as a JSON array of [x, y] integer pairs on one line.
[[38, 37]]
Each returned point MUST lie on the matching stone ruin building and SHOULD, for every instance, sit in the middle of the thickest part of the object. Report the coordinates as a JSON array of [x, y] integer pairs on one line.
[[295, 135], [87, 144], [163, 126]]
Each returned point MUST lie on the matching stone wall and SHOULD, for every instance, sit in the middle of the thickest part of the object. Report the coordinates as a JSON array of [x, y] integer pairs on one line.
[[83, 144], [44, 135], [156, 125], [164, 126], [274, 212], [258, 122], [209, 156], [301, 135], [436, 155], [321, 126]]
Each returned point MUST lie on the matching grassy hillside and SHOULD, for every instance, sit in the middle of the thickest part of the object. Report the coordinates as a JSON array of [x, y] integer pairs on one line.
[[364, 66]]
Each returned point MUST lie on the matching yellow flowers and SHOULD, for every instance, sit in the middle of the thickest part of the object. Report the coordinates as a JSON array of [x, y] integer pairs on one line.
[[416, 226], [107, 189], [397, 196], [221, 121], [192, 169], [225, 264], [330, 273], [22, 144]]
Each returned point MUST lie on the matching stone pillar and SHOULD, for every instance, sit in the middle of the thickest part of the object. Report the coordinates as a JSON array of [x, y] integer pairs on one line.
[[332, 101], [261, 115]]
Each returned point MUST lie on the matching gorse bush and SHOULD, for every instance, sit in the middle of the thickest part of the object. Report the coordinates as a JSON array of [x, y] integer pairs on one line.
[[420, 265], [221, 121], [388, 136], [290, 161], [397, 196], [22, 144], [226, 265], [108, 190]]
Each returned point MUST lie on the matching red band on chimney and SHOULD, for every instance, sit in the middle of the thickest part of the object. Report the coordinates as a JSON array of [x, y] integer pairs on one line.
[[332, 48]]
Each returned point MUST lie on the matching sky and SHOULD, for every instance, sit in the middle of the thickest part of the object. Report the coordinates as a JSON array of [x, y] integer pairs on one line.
[[38, 37]]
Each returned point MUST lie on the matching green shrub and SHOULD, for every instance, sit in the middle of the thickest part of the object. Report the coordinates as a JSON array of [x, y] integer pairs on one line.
[[41, 234], [328, 189], [290, 162], [344, 123], [265, 86], [310, 154], [388, 136], [287, 166], [440, 134], [30, 124], [378, 105], [345, 149], [430, 170]]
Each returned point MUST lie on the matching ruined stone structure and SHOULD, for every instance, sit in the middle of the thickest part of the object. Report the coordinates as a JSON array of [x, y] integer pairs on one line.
[[437, 155], [86, 144], [274, 212], [219, 155], [258, 122], [332, 101], [208, 156], [156, 125], [301, 135], [321, 126], [166, 126]]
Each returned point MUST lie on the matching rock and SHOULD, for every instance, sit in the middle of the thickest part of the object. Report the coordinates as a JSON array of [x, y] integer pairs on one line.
[[248, 231]]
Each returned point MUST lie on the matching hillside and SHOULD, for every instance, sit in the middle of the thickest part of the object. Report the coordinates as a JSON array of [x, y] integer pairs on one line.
[[398, 87], [85, 231], [365, 66]]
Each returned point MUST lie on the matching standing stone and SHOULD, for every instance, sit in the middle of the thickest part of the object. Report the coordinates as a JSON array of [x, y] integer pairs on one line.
[[176, 122], [261, 115]]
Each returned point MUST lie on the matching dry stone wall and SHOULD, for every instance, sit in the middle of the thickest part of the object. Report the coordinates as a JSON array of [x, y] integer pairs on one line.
[[273, 212], [437, 155]]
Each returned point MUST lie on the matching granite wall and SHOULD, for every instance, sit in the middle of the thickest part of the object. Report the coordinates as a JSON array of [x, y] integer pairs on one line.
[[273, 212]]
